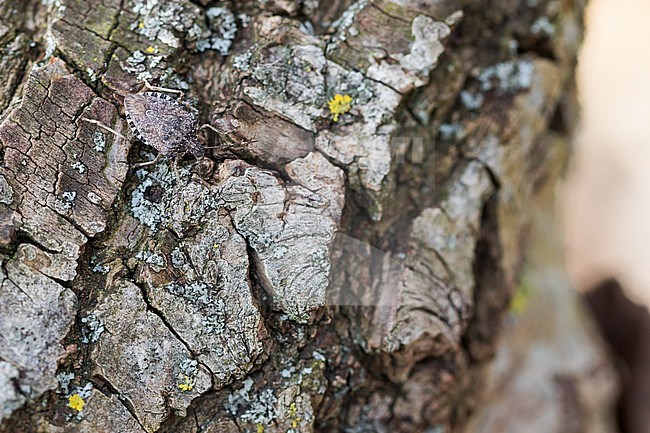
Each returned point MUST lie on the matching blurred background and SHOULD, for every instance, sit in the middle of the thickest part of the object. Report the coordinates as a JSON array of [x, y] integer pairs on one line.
[[606, 199]]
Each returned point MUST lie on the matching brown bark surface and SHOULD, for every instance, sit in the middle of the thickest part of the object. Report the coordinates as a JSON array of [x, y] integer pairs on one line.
[[321, 269]]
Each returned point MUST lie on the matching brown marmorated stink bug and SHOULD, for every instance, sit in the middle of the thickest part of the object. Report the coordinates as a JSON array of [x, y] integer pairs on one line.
[[162, 122]]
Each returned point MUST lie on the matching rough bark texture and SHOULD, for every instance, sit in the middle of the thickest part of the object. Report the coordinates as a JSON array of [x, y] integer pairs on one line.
[[322, 269]]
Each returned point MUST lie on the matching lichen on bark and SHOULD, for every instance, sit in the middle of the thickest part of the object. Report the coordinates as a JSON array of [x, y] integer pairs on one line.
[[325, 268]]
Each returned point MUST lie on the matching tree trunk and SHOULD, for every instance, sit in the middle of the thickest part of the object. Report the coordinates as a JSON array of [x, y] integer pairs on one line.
[[341, 259]]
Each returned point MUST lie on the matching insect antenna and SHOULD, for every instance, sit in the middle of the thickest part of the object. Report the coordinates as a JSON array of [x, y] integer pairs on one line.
[[101, 125], [164, 89]]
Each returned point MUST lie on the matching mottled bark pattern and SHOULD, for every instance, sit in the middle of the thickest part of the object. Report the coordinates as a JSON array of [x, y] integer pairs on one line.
[[325, 267]]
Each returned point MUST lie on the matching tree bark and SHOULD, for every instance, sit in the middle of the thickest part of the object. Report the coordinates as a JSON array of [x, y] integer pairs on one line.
[[325, 267]]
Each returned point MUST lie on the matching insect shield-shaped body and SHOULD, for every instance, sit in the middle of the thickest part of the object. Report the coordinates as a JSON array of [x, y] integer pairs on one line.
[[161, 122]]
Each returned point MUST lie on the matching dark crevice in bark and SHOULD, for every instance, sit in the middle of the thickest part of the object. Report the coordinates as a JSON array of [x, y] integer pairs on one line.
[[491, 298], [23, 237], [16, 85], [494, 179], [105, 386], [540, 47], [62, 283], [558, 121], [152, 309], [491, 292], [30, 52], [261, 297], [114, 45]]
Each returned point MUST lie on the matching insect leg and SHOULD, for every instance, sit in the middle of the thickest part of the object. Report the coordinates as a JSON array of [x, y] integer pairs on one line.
[[243, 143], [101, 125], [164, 89], [144, 164], [207, 125], [240, 143]]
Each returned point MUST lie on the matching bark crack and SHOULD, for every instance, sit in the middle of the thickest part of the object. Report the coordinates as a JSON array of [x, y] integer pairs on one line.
[[151, 308]]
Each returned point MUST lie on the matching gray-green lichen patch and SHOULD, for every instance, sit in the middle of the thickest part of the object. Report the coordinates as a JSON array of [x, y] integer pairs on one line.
[[163, 20], [471, 101], [99, 141], [138, 354], [288, 406], [451, 131], [290, 81], [207, 298], [504, 78], [257, 409], [290, 229], [177, 22], [91, 328], [64, 380], [284, 396], [508, 77], [544, 26], [223, 28], [152, 212], [344, 23]]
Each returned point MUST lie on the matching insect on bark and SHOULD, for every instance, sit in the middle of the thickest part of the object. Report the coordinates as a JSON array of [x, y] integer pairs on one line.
[[162, 122]]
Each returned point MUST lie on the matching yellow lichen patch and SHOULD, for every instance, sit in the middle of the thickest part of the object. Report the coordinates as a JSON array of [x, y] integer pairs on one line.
[[260, 428], [340, 104], [151, 49], [186, 383], [76, 402], [293, 415], [141, 25]]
